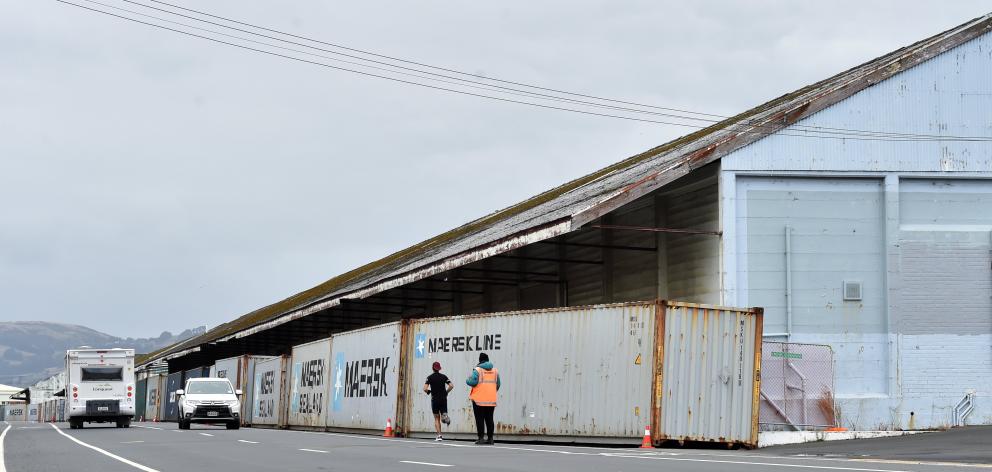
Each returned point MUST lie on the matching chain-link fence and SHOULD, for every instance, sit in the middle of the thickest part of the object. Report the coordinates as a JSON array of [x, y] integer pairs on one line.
[[797, 386]]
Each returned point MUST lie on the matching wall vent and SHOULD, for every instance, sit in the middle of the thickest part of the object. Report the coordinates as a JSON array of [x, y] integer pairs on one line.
[[852, 290]]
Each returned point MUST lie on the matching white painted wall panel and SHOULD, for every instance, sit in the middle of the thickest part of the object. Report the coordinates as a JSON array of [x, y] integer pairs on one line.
[[950, 94]]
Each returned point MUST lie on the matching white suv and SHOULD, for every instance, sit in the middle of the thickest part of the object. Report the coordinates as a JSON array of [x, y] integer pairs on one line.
[[209, 400]]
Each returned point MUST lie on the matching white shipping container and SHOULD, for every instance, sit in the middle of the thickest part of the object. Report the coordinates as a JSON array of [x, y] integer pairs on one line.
[[576, 372], [16, 412], [365, 373], [153, 397], [308, 393], [228, 369], [266, 391]]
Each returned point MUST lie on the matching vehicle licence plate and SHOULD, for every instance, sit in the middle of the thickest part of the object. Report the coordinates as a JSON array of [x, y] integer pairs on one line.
[[211, 413], [103, 408]]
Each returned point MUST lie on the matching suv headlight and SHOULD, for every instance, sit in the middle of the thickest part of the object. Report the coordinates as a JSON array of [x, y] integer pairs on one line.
[[191, 402]]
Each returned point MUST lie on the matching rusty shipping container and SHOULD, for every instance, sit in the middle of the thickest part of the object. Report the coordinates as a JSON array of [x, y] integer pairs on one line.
[[709, 364], [582, 372], [600, 372], [365, 375], [267, 399], [240, 371], [153, 397], [308, 393]]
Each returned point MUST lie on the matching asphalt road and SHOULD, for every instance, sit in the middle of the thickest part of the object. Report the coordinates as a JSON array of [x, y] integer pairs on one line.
[[972, 444], [160, 447]]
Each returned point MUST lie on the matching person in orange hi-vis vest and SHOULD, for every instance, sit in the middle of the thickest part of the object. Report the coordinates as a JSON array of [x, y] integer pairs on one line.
[[485, 384]]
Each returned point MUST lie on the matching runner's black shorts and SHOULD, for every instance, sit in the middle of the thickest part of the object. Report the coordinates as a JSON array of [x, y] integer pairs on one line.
[[439, 406]]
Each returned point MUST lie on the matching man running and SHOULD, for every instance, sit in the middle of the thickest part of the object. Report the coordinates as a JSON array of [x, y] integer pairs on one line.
[[438, 386]]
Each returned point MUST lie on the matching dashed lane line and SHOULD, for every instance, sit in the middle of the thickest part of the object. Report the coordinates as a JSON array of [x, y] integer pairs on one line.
[[108, 454], [247, 442], [206, 434], [147, 427], [314, 450], [427, 463]]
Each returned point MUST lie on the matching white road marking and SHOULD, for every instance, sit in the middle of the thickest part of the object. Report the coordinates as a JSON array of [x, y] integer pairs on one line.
[[207, 434], [427, 463], [911, 462], [108, 454], [131, 442], [247, 442], [146, 427], [3, 468], [314, 450]]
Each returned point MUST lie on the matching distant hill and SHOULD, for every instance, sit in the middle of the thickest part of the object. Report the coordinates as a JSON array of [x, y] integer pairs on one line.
[[33, 350]]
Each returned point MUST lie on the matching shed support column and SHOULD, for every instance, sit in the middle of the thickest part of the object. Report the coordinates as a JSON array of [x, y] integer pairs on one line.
[[893, 275], [661, 242], [606, 237]]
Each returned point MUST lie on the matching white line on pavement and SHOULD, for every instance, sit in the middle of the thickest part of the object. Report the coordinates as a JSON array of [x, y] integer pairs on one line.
[[146, 427], [3, 468], [247, 442], [427, 463], [207, 434], [108, 454], [314, 450]]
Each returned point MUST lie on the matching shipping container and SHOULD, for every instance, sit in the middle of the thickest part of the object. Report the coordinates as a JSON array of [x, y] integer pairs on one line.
[[170, 409], [364, 377], [267, 398], [60, 410], [240, 370], [16, 412], [195, 373], [309, 386], [153, 397], [247, 386], [600, 372], [229, 369], [34, 412], [583, 372], [710, 361], [140, 399]]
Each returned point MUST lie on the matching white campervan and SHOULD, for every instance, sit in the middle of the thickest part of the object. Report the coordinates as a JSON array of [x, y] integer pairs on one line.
[[99, 386]]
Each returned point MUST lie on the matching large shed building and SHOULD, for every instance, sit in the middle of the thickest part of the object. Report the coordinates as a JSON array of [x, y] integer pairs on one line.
[[857, 211]]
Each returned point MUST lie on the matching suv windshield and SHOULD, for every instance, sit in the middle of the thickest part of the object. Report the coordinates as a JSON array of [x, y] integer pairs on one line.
[[210, 388]]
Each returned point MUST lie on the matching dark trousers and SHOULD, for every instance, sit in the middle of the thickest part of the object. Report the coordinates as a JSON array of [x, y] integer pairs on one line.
[[484, 419]]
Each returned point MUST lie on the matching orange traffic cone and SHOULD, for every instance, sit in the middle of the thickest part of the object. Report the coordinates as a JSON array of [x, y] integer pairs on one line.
[[646, 443], [389, 429]]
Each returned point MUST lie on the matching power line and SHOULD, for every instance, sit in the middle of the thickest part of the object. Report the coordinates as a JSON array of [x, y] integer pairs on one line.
[[860, 138], [393, 58]]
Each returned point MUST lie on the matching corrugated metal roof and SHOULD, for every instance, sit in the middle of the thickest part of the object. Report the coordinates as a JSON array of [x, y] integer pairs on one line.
[[582, 200]]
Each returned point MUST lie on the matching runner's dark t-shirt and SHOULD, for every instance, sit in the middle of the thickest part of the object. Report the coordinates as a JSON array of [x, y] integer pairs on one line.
[[438, 385]]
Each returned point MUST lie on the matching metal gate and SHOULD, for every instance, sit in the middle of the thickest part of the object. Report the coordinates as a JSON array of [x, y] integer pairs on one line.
[[797, 386]]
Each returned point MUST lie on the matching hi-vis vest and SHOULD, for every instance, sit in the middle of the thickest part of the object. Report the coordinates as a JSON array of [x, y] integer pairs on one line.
[[484, 393]]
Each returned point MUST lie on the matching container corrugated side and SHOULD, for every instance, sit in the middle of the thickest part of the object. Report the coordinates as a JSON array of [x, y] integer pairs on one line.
[[364, 377], [153, 395], [710, 374], [309, 384], [16, 412], [170, 409], [229, 369], [266, 391], [574, 372], [140, 398]]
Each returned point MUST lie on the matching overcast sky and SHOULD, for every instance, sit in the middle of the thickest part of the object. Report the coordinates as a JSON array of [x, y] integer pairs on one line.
[[151, 181]]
